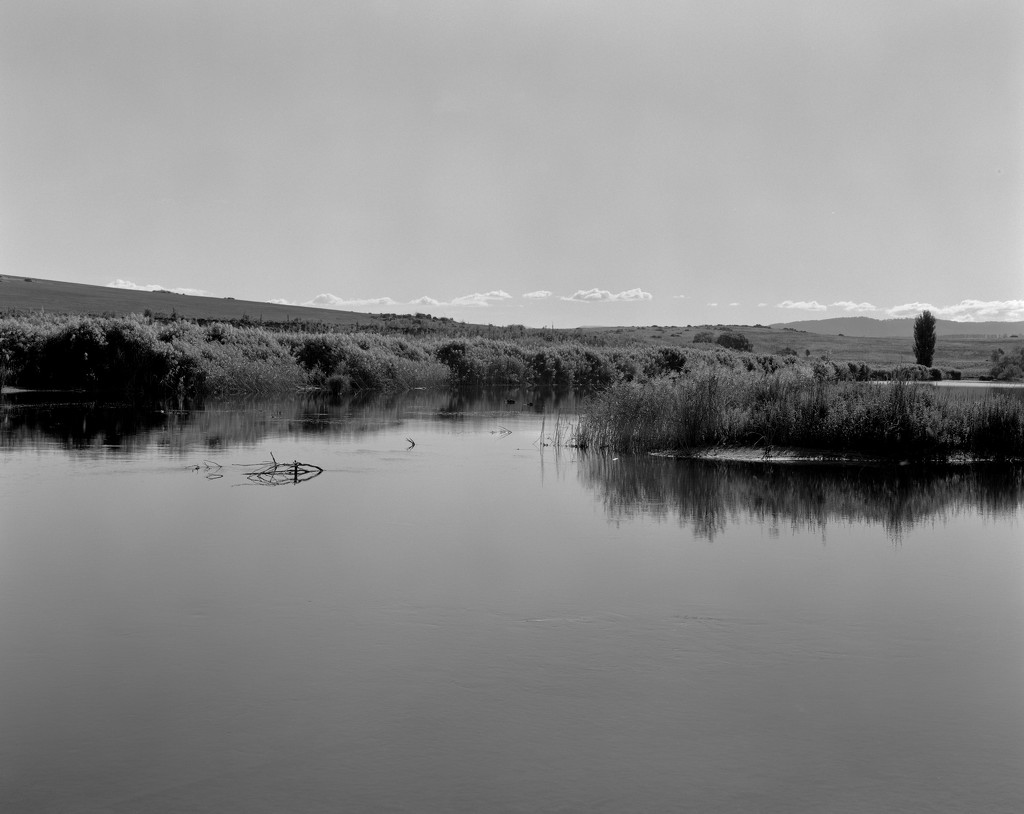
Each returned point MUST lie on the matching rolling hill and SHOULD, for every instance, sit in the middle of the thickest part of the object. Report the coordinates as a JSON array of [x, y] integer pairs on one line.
[[901, 328], [33, 294]]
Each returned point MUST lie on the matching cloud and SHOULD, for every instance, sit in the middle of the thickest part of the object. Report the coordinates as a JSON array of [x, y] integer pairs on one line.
[[601, 295], [679, 296], [733, 304], [129, 285], [910, 309], [332, 301], [712, 305], [537, 295], [813, 305], [425, 301], [762, 305], [858, 307], [480, 300], [965, 310]]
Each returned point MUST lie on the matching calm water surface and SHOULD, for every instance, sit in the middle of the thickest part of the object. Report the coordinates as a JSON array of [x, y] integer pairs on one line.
[[482, 623]]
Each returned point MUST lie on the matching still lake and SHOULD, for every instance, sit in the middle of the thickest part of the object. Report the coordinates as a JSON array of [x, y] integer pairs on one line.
[[482, 623]]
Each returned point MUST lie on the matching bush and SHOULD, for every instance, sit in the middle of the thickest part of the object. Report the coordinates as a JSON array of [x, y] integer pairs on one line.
[[704, 336], [1007, 366], [734, 341]]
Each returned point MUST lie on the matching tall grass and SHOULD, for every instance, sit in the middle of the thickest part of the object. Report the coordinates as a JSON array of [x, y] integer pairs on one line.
[[787, 409]]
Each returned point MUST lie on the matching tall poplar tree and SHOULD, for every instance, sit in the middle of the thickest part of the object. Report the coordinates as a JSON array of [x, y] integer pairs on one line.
[[924, 338]]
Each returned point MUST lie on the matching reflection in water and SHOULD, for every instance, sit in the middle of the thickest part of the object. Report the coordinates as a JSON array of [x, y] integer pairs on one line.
[[34, 420], [710, 495]]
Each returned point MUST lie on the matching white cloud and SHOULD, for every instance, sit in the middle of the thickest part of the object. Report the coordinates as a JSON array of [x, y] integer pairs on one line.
[[601, 295], [128, 284], [857, 307], [679, 296], [279, 301], [425, 301], [712, 305], [119, 283], [965, 310], [762, 305], [537, 295], [910, 308], [480, 300], [733, 304], [813, 305], [332, 301]]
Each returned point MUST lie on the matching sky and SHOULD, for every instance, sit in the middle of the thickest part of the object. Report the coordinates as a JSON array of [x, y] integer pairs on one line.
[[523, 161]]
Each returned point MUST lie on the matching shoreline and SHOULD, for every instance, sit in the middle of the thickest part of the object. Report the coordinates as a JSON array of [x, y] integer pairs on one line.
[[798, 455]]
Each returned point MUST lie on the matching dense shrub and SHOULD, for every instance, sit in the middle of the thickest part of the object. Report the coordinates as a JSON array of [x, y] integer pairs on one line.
[[1007, 366], [910, 373], [734, 341]]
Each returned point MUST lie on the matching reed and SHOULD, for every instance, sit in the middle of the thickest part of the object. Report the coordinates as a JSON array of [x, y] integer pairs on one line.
[[720, 408]]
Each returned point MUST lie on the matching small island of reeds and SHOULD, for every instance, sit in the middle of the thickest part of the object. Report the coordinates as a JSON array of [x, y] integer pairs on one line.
[[789, 414]]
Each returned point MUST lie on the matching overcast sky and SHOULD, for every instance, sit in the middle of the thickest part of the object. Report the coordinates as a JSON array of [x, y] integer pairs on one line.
[[515, 161]]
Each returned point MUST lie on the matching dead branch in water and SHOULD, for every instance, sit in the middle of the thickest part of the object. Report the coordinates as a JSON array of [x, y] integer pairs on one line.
[[274, 473]]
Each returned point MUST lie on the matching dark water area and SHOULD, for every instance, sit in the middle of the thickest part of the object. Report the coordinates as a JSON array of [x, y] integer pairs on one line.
[[454, 614]]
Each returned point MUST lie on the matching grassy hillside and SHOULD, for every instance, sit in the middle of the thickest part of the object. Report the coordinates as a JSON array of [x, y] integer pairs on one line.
[[33, 294], [904, 327]]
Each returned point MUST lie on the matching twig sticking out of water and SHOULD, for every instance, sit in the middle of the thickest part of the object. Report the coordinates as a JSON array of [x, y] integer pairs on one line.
[[411, 443], [209, 467]]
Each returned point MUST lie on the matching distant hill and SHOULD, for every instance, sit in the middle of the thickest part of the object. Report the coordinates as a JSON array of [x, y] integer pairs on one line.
[[901, 328], [34, 294]]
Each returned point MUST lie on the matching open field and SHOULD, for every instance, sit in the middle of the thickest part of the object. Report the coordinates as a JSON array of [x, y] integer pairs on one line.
[[969, 354]]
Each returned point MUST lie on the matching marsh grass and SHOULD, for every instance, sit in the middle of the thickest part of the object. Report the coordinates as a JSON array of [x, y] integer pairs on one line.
[[562, 434], [719, 408]]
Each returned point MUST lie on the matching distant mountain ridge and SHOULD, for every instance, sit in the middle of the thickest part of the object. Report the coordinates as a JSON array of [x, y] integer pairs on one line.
[[867, 326]]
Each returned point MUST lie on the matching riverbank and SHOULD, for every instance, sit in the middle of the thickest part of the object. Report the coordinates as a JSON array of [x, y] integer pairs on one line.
[[141, 355]]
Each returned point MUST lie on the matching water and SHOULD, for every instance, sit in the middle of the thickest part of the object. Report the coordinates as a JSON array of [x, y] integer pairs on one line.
[[480, 622]]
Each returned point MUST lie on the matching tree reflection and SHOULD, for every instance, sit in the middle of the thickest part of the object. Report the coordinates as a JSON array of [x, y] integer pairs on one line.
[[709, 495]]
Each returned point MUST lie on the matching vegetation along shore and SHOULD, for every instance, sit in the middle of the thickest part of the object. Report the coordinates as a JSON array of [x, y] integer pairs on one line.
[[710, 393]]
